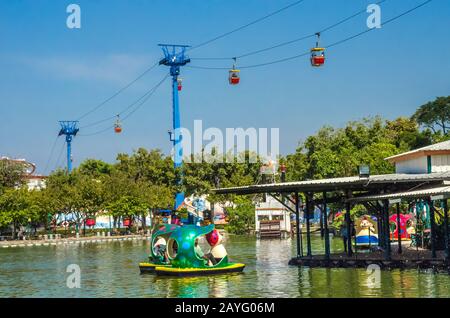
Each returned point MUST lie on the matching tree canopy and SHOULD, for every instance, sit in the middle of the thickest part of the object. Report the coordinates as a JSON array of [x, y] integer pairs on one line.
[[435, 115]]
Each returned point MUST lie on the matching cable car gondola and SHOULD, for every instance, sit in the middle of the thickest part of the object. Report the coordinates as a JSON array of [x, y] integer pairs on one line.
[[90, 222], [317, 54], [233, 76], [179, 82], [117, 126]]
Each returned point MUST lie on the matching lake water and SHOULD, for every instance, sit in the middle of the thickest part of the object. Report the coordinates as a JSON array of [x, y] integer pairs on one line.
[[110, 269]]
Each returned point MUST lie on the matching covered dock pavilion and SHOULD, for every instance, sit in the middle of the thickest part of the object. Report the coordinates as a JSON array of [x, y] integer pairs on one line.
[[378, 193]]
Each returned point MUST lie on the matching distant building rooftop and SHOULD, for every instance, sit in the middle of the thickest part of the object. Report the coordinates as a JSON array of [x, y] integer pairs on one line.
[[441, 148]]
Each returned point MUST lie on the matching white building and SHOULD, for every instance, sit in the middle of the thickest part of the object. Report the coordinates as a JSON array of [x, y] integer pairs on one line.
[[35, 182], [272, 217], [430, 159]]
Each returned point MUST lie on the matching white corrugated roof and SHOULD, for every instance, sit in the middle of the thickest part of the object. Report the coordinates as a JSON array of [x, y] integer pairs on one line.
[[309, 185], [420, 193], [445, 145]]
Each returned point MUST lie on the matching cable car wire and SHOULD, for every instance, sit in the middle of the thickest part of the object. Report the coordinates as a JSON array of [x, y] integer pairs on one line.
[[245, 25], [327, 47], [51, 155], [121, 112], [59, 156], [95, 108], [305, 37], [142, 100]]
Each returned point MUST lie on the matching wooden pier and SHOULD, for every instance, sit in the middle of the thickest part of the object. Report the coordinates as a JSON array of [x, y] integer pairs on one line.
[[408, 259]]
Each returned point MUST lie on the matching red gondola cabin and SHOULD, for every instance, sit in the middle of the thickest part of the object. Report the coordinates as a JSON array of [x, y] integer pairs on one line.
[[117, 126], [127, 222], [317, 56], [233, 77]]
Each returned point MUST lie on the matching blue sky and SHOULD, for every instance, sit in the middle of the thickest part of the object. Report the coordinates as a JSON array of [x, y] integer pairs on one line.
[[49, 72]]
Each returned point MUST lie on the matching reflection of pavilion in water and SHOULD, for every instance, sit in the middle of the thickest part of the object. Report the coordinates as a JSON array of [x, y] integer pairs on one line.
[[272, 256]]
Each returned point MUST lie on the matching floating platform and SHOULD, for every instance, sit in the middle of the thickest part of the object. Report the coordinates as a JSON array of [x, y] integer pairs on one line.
[[172, 271], [407, 260]]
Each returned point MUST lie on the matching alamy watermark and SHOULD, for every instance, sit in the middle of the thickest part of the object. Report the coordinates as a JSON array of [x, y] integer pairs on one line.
[[73, 21], [374, 19], [213, 145], [373, 276], [74, 279]]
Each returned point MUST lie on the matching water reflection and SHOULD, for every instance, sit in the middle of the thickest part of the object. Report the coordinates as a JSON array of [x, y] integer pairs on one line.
[[110, 270]]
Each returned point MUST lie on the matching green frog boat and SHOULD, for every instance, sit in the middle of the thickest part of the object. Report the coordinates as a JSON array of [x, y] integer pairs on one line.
[[179, 257]]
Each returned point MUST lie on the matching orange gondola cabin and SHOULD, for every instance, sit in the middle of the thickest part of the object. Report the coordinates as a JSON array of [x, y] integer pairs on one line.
[[117, 126]]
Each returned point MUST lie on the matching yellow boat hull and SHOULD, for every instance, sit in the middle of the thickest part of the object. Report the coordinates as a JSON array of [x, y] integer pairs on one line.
[[174, 271], [150, 267]]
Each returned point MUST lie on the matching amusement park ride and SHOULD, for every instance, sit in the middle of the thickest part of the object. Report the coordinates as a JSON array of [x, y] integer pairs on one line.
[[179, 256]]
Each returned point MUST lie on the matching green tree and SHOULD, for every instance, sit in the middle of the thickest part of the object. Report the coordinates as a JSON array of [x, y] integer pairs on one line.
[[241, 216], [11, 174], [16, 209], [435, 115], [95, 168]]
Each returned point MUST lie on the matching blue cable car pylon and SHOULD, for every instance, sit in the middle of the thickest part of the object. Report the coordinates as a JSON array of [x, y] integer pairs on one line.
[[70, 130], [175, 57]]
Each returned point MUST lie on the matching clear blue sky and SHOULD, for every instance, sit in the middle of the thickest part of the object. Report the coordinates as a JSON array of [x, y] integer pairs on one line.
[[49, 72]]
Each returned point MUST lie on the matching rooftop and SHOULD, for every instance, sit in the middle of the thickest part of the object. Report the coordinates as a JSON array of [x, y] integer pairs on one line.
[[356, 183], [441, 147], [443, 190]]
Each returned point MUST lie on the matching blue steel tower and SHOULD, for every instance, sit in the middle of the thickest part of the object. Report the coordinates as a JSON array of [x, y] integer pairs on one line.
[[69, 129], [174, 57]]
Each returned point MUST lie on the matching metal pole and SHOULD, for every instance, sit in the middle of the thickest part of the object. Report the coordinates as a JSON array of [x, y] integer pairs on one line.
[[399, 236], [432, 228], [447, 254], [380, 226], [177, 144], [69, 153], [325, 225], [308, 227], [349, 230], [297, 227], [387, 247]]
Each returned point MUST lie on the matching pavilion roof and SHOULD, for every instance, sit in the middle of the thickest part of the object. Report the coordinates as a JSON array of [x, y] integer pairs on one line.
[[442, 191], [355, 183]]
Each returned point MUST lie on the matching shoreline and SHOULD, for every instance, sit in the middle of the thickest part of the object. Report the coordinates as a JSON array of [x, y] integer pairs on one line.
[[73, 240]]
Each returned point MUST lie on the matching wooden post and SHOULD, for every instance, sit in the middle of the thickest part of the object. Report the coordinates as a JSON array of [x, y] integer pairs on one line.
[[433, 229], [387, 232], [308, 227], [349, 228], [297, 227], [325, 225], [399, 236], [447, 256]]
